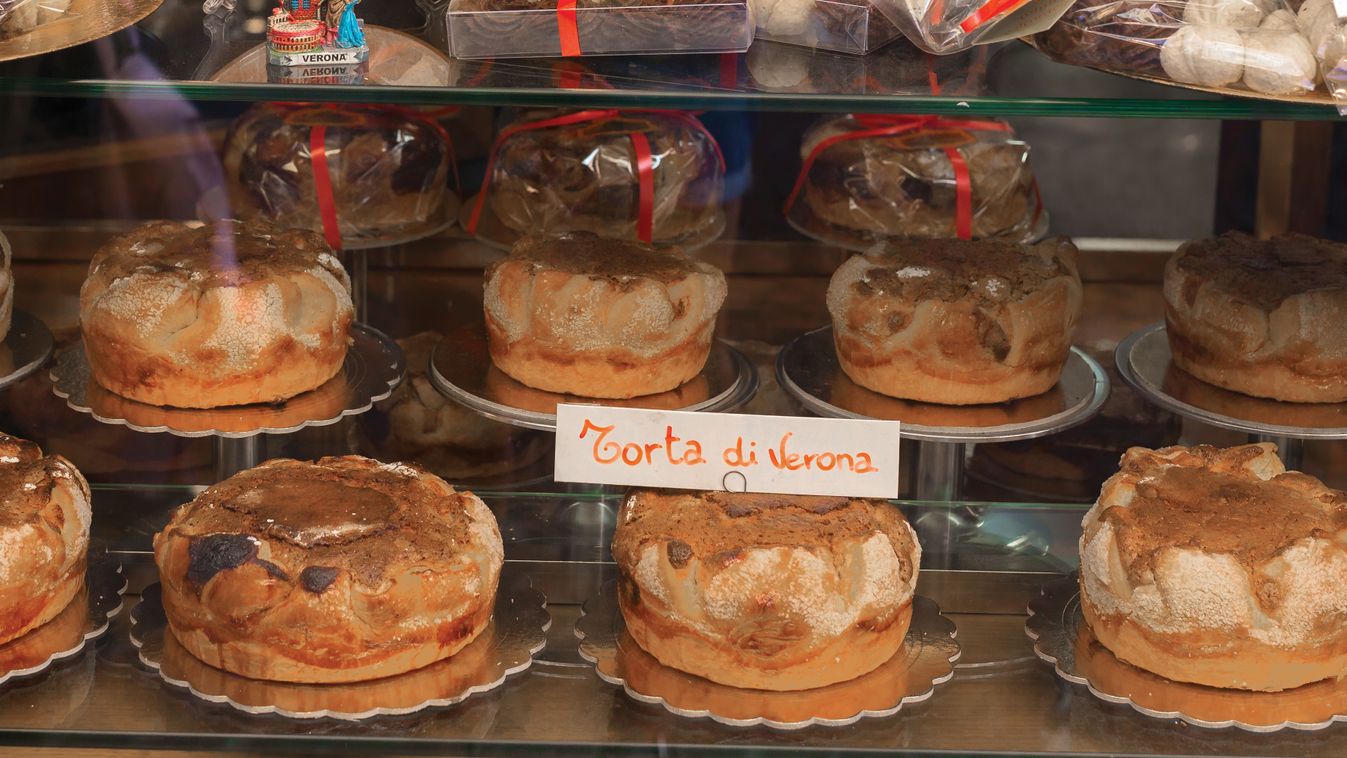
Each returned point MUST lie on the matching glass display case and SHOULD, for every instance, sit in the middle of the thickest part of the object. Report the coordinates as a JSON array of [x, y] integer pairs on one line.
[[135, 111]]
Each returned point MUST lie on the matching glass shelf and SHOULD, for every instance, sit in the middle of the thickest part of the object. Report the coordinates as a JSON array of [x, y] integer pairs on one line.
[[177, 52]]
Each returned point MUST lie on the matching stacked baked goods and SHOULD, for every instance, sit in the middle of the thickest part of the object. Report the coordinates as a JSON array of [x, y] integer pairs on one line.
[[768, 592], [956, 322], [583, 315], [376, 172], [44, 536], [342, 570], [606, 172], [6, 287], [226, 314], [1219, 567], [1262, 317], [1264, 46], [868, 178], [419, 424]]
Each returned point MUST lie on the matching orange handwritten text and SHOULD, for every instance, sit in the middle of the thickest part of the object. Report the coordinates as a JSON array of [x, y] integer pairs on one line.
[[673, 450], [858, 462]]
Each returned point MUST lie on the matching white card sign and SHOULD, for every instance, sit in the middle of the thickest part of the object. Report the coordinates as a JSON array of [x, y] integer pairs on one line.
[[721, 451]]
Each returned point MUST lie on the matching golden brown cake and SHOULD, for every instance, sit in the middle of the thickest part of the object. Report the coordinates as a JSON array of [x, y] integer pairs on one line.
[[44, 535], [583, 315], [1219, 567], [1263, 317], [387, 168], [770, 592], [955, 322], [342, 570], [228, 314]]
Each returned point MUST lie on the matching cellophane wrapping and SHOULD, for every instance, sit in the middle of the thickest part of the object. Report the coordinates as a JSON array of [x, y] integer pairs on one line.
[[387, 169], [528, 28], [861, 191], [947, 26], [1268, 47], [847, 26], [22, 16], [584, 177]]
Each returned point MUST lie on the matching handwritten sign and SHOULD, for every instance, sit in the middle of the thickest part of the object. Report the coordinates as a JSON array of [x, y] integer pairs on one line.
[[718, 451]]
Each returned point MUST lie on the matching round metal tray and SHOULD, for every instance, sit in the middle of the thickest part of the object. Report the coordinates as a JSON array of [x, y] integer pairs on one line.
[[84, 21], [1145, 362], [927, 659], [27, 346], [86, 618], [808, 370], [518, 631], [461, 368], [373, 367], [1061, 637]]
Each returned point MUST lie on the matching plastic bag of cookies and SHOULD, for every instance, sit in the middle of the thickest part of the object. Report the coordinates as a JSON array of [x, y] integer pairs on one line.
[[847, 26]]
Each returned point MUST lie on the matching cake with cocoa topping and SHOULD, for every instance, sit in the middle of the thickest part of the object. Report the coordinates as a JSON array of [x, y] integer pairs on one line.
[[956, 322], [772, 592], [1219, 567], [594, 317], [1262, 317], [226, 314], [342, 570], [44, 536]]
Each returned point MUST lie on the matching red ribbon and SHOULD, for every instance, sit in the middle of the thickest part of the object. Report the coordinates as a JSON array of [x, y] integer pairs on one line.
[[876, 126], [322, 174], [567, 28], [322, 185], [988, 12], [645, 163]]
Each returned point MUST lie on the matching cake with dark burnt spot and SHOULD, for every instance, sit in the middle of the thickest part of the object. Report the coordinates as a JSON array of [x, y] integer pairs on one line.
[[773, 592], [44, 536], [956, 322], [342, 570]]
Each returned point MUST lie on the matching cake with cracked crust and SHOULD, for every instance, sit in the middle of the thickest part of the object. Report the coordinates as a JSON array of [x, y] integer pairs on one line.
[[44, 536], [225, 314], [1219, 567], [6, 287], [772, 592], [342, 570], [594, 317], [1262, 317], [956, 322]]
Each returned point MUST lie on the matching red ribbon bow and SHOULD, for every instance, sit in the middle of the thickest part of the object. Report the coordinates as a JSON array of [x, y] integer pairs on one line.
[[874, 126], [645, 162], [987, 12], [322, 174]]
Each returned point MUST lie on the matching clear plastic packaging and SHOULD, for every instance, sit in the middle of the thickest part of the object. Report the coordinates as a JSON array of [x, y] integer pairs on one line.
[[527, 28], [1326, 31], [846, 26], [357, 174], [22, 16], [1254, 46], [656, 176], [869, 178], [947, 26]]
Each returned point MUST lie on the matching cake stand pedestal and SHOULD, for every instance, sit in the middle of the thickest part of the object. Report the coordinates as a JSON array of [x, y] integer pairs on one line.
[[374, 366], [25, 349], [1145, 362], [808, 370], [461, 368]]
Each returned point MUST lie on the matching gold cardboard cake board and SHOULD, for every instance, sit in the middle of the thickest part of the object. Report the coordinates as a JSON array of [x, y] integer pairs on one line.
[[84, 21]]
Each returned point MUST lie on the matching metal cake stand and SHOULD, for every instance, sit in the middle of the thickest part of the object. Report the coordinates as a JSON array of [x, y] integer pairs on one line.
[[25, 349], [373, 368], [926, 659], [1145, 362], [808, 370], [1062, 638], [461, 368]]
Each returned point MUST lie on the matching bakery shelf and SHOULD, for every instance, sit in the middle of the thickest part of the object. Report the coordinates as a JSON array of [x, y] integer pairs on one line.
[[170, 55]]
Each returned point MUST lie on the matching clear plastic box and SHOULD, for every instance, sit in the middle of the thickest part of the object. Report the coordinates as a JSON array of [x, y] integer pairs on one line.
[[845, 26]]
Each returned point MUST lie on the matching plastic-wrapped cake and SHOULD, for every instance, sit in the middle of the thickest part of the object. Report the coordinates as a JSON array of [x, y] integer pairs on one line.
[[352, 173]]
